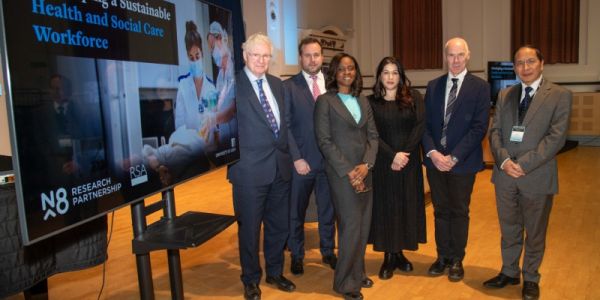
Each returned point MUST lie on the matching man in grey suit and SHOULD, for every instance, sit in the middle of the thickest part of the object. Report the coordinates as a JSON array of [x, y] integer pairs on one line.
[[261, 178], [301, 92], [529, 128]]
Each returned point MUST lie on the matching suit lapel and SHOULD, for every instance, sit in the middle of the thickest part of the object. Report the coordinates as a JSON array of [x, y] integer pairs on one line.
[[305, 89], [254, 102], [363, 111], [341, 109], [538, 100], [512, 102]]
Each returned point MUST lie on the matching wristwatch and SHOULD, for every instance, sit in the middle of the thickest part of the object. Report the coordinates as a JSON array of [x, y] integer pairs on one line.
[[454, 158], [369, 166]]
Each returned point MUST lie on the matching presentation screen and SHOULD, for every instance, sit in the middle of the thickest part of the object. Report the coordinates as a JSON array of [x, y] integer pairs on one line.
[[501, 74], [113, 100]]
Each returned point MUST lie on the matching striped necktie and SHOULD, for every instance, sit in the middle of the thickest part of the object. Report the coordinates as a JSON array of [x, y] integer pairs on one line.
[[449, 109]]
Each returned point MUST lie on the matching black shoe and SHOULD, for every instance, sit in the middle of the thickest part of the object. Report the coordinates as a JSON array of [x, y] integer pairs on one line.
[[438, 267], [282, 283], [251, 291], [388, 266], [367, 283], [331, 260], [531, 290], [501, 281], [456, 271], [297, 266], [353, 296], [402, 263]]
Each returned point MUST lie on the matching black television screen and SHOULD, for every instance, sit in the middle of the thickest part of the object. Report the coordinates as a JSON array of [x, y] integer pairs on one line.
[[111, 101], [501, 74]]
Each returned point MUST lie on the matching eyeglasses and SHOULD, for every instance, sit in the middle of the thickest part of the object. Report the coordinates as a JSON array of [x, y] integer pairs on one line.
[[530, 62], [257, 56]]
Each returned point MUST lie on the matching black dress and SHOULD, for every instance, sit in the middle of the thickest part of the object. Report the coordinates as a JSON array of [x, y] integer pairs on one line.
[[398, 220]]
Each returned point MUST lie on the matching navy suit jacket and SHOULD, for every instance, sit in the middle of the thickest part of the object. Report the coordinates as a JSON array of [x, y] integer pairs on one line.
[[261, 154], [467, 126], [300, 107]]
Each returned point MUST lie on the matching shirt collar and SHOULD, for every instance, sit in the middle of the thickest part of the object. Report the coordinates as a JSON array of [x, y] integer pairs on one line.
[[307, 76], [251, 75], [460, 76], [534, 85]]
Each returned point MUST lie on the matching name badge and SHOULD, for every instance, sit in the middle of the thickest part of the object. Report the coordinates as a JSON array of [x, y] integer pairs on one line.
[[517, 134]]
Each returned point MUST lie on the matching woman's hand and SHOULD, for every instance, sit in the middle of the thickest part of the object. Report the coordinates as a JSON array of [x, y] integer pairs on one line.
[[400, 161]]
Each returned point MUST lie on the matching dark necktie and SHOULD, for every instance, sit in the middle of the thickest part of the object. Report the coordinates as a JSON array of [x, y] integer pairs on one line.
[[449, 109], [262, 97], [525, 104]]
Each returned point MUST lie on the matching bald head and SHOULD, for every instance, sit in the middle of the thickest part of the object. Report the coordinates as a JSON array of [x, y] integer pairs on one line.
[[457, 55]]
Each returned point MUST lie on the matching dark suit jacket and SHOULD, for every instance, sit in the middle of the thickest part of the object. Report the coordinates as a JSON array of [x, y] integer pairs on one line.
[[261, 154], [300, 106], [345, 143], [467, 126], [546, 124]]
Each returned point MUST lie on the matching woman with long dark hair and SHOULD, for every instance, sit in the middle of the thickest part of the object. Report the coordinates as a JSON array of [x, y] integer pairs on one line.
[[398, 221], [347, 136]]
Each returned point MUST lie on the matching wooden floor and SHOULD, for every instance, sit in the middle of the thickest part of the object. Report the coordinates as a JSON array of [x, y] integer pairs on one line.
[[212, 270]]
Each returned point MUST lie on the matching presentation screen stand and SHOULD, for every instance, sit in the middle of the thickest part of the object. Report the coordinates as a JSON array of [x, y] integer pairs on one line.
[[170, 233]]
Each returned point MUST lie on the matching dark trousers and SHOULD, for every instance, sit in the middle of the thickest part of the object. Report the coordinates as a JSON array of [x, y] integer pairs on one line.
[[302, 186], [523, 217], [267, 205], [451, 196]]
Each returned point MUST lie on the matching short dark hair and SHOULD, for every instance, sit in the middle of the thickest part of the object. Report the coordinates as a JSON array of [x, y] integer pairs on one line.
[[331, 82], [538, 53], [308, 40]]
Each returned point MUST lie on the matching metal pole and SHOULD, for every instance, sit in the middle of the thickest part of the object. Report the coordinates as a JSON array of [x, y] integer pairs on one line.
[[175, 277], [144, 269]]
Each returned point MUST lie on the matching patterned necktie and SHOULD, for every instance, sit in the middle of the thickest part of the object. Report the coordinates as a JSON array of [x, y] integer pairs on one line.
[[315, 87], [525, 104], [262, 97], [449, 109]]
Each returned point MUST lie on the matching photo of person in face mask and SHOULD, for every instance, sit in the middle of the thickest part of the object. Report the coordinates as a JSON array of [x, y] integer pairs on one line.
[[218, 43], [196, 95], [195, 117]]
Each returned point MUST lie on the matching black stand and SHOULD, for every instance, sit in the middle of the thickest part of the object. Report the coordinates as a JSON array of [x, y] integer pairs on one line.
[[170, 233]]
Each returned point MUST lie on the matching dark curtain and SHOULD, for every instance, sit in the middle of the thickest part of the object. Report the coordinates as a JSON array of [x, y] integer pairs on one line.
[[418, 33], [550, 25]]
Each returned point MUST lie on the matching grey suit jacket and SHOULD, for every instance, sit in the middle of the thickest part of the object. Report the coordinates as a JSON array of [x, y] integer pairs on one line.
[[344, 143], [546, 124]]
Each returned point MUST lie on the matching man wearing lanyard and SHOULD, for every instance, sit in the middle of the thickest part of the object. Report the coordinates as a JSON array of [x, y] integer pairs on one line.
[[529, 128]]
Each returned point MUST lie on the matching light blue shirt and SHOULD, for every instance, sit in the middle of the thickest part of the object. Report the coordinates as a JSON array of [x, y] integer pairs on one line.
[[351, 104], [267, 90]]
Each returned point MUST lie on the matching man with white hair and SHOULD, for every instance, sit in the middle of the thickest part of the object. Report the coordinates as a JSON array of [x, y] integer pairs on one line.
[[261, 177]]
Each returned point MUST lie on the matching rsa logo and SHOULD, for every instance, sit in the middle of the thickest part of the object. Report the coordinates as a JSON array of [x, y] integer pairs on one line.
[[138, 174], [55, 202]]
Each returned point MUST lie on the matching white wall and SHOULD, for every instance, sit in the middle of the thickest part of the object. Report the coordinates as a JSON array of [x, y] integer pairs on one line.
[[485, 24]]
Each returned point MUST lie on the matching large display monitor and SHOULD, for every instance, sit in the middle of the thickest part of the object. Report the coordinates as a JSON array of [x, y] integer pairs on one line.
[[113, 100], [501, 74]]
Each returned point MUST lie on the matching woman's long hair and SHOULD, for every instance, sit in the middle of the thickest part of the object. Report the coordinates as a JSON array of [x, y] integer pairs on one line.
[[404, 98], [331, 82]]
